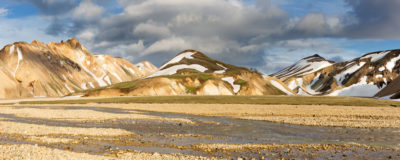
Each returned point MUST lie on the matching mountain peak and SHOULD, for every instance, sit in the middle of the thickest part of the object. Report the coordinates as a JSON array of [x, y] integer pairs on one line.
[[304, 66]]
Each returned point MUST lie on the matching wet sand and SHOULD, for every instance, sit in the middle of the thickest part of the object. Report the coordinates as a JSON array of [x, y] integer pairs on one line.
[[196, 131]]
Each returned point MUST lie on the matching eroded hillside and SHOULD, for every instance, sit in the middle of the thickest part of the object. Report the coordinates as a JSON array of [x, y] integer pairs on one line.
[[58, 69], [193, 73], [363, 76]]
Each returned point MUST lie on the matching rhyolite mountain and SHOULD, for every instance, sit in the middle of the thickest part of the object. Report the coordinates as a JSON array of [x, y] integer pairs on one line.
[[363, 76], [59, 69], [193, 73]]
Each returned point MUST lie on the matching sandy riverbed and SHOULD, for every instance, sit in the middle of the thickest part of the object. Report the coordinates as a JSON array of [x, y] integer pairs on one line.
[[168, 131]]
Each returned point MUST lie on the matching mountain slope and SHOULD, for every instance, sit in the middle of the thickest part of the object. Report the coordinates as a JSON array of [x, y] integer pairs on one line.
[[58, 69], [303, 67], [193, 73], [363, 76]]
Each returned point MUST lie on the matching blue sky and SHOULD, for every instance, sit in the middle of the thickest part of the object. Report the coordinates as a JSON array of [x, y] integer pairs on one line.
[[263, 34]]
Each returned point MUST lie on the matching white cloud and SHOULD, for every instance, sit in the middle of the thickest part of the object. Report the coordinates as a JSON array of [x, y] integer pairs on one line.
[[3, 12], [88, 11]]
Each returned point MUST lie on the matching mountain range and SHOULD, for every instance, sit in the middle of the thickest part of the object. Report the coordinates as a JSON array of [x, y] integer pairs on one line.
[[370, 75], [68, 68]]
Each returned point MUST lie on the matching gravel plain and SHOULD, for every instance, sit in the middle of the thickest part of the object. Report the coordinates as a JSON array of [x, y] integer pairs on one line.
[[195, 131]]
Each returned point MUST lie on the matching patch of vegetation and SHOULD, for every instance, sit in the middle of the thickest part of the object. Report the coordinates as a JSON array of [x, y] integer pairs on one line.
[[53, 87], [271, 100], [202, 77], [44, 88], [192, 90], [240, 82], [59, 77], [75, 84], [6, 104], [124, 85], [273, 90]]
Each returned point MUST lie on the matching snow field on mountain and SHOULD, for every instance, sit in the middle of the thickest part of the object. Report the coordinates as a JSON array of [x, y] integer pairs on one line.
[[362, 89], [174, 69], [230, 80], [390, 65], [280, 87], [341, 76], [12, 49], [221, 71], [187, 55], [303, 67], [376, 56]]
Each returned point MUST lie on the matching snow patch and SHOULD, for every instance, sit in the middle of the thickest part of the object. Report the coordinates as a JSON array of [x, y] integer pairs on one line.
[[361, 89], [12, 49], [87, 62], [381, 68], [116, 76], [140, 66], [302, 92], [84, 86], [392, 63], [129, 69], [340, 77], [187, 55], [304, 67], [69, 89], [20, 58], [65, 78], [280, 87], [292, 84], [221, 71], [379, 76], [230, 80], [148, 65], [81, 57], [100, 57], [172, 70], [108, 80], [376, 56], [91, 84]]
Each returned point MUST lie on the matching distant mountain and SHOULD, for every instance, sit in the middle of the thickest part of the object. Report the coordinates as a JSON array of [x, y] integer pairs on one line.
[[363, 76], [58, 69], [304, 66], [193, 73]]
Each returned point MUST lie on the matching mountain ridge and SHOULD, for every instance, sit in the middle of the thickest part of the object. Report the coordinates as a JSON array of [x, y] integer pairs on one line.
[[192, 72], [37, 69], [361, 76]]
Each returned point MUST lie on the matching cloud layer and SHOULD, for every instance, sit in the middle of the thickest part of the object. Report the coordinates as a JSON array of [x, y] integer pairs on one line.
[[259, 34]]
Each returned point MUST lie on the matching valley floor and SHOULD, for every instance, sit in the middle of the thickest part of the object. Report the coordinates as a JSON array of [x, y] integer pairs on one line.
[[143, 130]]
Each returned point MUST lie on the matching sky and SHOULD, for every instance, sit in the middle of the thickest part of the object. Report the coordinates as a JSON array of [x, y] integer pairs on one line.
[[267, 35]]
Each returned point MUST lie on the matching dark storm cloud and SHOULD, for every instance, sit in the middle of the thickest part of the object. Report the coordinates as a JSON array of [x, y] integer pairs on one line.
[[373, 19], [53, 7], [57, 27]]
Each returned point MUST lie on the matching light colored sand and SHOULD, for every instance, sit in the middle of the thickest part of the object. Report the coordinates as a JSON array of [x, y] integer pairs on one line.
[[50, 140], [32, 152], [35, 129], [80, 114], [317, 115]]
